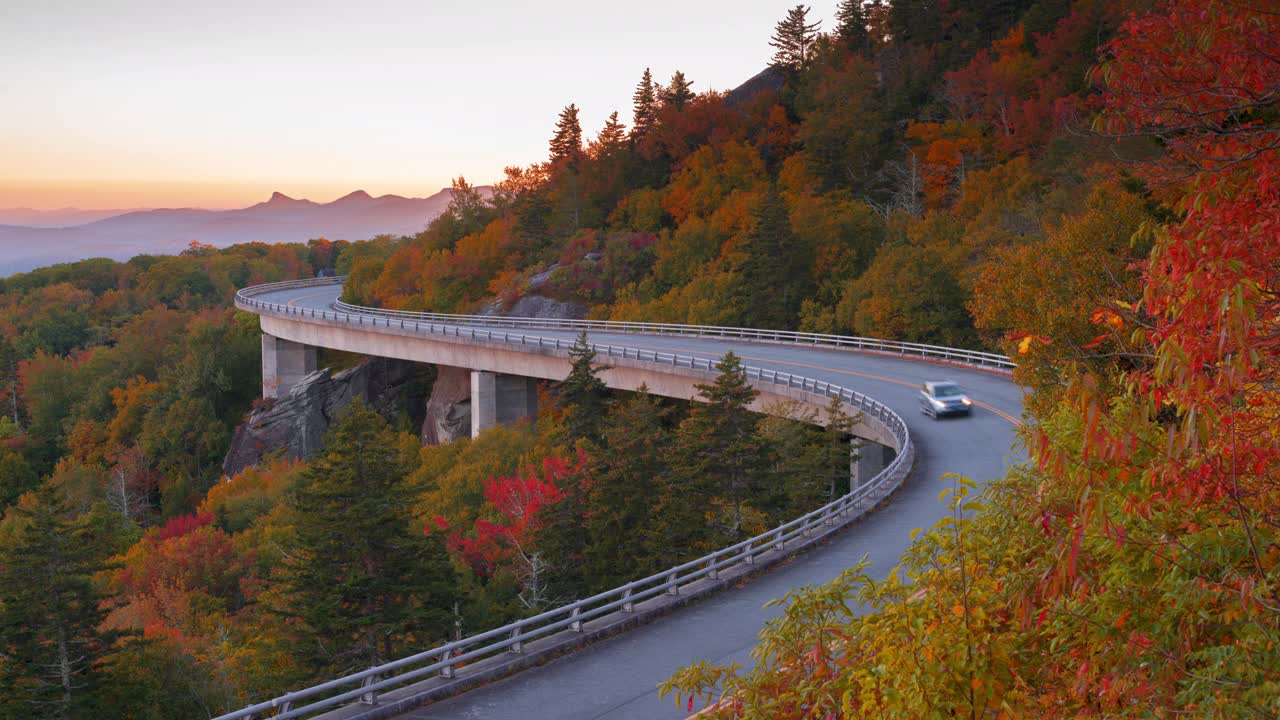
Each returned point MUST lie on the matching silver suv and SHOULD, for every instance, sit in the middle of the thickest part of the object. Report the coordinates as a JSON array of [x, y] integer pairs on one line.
[[943, 397]]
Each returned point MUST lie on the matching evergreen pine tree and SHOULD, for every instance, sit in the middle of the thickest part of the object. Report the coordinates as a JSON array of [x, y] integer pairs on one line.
[[679, 92], [851, 26], [51, 647], [797, 481], [612, 137], [645, 106], [719, 452], [364, 586], [775, 272], [624, 483], [793, 37], [836, 450], [566, 144], [583, 394]]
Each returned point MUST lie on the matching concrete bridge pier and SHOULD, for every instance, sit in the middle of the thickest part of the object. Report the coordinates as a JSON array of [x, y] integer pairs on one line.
[[501, 399], [284, 364], [869, 459]]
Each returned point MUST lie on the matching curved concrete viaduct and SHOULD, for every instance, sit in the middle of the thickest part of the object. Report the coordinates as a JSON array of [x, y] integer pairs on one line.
[[616, 677]]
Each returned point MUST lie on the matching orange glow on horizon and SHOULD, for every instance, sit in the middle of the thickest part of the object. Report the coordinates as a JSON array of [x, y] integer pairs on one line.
[[212, 195]]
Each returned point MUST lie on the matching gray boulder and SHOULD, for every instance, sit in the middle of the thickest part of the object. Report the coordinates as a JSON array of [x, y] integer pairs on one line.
[[297, 422]]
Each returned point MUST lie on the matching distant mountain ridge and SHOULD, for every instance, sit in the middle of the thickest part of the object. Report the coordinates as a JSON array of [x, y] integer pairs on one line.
[[62, 217], [355, 216]]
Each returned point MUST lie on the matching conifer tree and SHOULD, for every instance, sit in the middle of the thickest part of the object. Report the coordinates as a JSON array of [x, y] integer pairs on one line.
[[624, 483], [363, 585], [645, 106], [583, 393], [775, 272], [566, 144], [836, 450], [51, 647], [793, 38], [612, 138], [719, 452], [679, 92], [851, 26]]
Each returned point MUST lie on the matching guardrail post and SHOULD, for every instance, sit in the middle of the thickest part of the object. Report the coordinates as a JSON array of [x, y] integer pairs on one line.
[[627, 605], [747, 557], [712, 571], [446, 672], [517, 645], [673, 589], [370, 697], [575, 625]]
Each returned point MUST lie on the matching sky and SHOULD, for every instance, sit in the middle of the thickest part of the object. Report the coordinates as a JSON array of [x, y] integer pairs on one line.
[[173, 103]]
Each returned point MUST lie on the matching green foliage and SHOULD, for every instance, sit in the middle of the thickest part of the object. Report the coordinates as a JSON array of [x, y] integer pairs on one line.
[[16, 476], [625, 480], [721, 468], [363, 583], [582, 394], [775, 272], [51, 644]]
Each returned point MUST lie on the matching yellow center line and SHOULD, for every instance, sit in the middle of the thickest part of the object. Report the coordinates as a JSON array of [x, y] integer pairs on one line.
[[292, 303]]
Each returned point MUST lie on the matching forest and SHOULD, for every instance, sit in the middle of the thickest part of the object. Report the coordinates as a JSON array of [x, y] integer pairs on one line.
[[1087, 186]]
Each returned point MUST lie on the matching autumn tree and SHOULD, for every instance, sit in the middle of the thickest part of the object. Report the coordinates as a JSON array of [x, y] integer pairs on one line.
[[1121, 571], [793, 40], [361, 584], [468, 212]]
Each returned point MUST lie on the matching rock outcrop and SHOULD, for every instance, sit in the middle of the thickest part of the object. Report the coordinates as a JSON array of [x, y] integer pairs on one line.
[[536, 306], [449, 407], [297, 422]]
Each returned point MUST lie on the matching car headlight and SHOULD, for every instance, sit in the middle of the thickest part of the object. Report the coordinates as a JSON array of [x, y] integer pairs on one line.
[[937, 403], [966, 401]]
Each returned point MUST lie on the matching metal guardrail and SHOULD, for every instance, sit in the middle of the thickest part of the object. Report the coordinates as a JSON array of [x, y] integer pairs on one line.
[[444, 660], [976, 358]]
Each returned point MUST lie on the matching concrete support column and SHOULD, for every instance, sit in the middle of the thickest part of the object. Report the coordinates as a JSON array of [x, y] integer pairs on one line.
[[868, 460], [501, 399], [284, 363]]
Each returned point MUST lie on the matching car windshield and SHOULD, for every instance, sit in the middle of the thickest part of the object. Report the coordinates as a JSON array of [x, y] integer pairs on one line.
[[946, 390]]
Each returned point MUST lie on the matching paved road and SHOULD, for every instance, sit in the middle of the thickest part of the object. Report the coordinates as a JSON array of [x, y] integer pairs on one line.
[[616, 679]]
